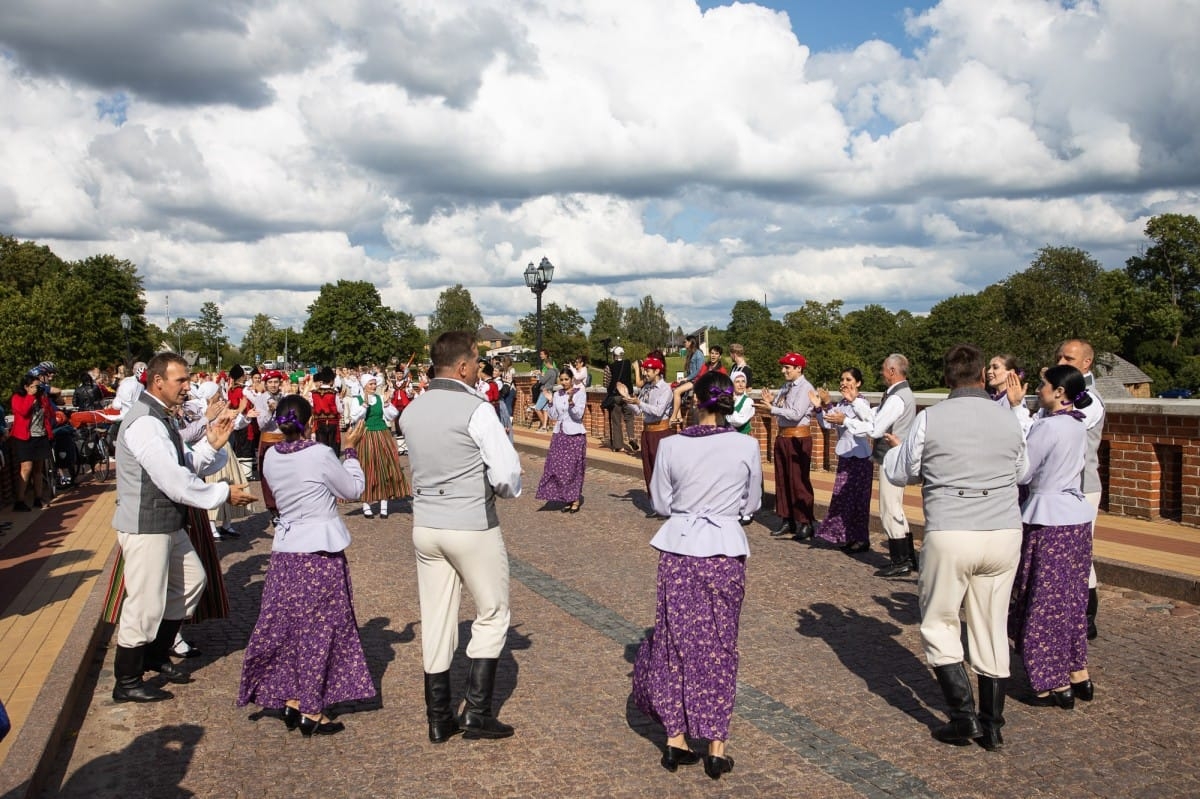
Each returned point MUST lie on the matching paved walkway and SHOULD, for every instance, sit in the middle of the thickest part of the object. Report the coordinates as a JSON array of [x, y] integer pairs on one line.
[[834, 698]]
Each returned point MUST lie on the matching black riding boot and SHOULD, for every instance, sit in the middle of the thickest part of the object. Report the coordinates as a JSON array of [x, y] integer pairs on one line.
[[442, 725], [956, 687], [1092, 606], [127, 667], [991, 712], [157, 654], [901, 565], [910, 546], [477, 720]]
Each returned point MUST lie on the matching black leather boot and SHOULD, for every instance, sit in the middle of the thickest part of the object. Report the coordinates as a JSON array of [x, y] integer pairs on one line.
[[964, 725], [127, 667], [991, 712], [1093, 605], [157, 655], [787, 527], [900, 565], [477, 720], [910, 546], [442, 724]]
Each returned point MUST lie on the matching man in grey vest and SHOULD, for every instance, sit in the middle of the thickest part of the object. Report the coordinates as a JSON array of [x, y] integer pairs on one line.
[[157, 479], [894, 414], [969, 452], [461, 461]]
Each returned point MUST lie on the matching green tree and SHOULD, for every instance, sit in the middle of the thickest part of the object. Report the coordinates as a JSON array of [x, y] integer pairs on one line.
[[646, 325], [873, 333], [1061, 295], [764, 339], [258, 342], [455, 310], [606, 325], [367, 332], [211, 329], [1171, 268], [562, 332], [817, 327]]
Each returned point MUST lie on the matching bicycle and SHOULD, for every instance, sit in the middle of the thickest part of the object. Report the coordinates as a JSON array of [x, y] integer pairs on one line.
[[95, 451]]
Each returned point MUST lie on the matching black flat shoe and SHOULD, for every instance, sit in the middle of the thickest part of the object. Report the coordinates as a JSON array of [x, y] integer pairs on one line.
[[715, 766], [674, 757], [1064, 699], [228, 532], [856, 547], [575, 506], [804, 532], [171, 672], [1084, 691], [310, 727], [291, 717]]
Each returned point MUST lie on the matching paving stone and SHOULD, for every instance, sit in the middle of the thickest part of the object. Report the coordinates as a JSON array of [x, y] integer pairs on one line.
[[834, 699]]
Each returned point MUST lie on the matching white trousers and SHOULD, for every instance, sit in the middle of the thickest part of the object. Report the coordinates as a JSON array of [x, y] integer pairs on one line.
[[891, 507], [974, 570], [446, 561], [163, 580], [1093, 499]]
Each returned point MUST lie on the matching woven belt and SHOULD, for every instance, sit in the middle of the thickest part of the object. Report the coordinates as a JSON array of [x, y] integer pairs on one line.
[[272, 437], [655, 427], [799, 431]]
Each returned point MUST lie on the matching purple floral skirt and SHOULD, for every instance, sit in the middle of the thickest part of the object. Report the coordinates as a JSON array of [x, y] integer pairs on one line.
[[305, 645], [685, 675], [566, 462], [1047, 617], [849, 516]]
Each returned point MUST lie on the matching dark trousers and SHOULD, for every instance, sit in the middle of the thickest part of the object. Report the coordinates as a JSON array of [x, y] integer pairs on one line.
[[793, 487]]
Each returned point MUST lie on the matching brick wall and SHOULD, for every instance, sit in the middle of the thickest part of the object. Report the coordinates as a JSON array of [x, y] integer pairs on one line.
[[1149, 458]]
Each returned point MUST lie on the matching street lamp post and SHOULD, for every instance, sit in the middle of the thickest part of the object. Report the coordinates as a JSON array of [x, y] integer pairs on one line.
[[333, 338], [537, 278], [286, 330], [125, 322]]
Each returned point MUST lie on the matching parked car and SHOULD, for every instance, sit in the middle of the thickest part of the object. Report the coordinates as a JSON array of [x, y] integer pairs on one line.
[[1176, 393]]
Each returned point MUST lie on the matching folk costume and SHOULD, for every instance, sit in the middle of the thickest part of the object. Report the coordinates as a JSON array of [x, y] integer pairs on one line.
[[566, 460], [380, 457], [792, 410], [848, 520]]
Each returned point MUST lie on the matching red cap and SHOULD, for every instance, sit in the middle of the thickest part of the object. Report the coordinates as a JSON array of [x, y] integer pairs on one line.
[[274, 374], [652, 363], [794, 359]]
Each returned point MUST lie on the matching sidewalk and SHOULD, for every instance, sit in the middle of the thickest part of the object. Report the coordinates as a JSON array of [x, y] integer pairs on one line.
[[831, 699]]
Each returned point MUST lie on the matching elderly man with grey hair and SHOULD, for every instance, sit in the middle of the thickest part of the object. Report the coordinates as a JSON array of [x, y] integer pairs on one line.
[[894, 414]]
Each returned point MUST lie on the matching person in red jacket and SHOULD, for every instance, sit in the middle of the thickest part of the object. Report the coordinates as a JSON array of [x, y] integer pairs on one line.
[[33, 420]]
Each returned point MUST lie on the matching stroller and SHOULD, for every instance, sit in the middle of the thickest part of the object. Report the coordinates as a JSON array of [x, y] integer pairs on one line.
[[66, 450]]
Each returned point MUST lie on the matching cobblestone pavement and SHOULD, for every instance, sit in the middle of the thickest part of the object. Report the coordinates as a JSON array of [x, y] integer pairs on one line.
[[834, 698]]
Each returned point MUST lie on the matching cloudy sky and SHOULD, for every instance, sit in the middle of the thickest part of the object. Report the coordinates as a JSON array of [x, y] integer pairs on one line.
[[248, 151]]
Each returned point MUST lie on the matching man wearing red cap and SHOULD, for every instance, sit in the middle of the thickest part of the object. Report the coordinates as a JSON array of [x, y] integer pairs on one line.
[[653, 404], [791, 409]]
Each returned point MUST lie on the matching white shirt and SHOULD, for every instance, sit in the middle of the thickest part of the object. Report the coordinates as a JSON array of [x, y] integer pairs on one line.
[[501, 459], [151, 446]]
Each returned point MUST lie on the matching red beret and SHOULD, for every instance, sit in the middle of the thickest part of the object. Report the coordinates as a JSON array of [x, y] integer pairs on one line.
[[794, 359], [652, 363], [274, 374]]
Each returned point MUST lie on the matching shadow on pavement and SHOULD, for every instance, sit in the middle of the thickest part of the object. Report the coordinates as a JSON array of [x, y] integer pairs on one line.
[[170, 749], [869, 648]]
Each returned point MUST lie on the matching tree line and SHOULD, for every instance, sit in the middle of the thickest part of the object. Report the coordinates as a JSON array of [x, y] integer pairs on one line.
[[1148, 312]]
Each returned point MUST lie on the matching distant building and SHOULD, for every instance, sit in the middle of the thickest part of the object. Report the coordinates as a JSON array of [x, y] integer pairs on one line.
[[493, 339], [1117, 378]]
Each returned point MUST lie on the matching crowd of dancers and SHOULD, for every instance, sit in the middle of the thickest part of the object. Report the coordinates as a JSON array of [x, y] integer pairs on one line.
[[1009, 507]]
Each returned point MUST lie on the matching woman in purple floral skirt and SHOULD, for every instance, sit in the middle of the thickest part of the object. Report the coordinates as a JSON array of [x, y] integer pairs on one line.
[[1048, 615], [305, 654], [566, 461], [685, 676]]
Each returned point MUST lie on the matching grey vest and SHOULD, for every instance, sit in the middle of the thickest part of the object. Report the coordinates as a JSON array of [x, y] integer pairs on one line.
[[1091, 461], [141, 506], [450, 484], [969, 464], [900, 427]]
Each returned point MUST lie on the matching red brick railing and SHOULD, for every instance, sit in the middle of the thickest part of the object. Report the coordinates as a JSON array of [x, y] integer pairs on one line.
[[1149, 457]]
